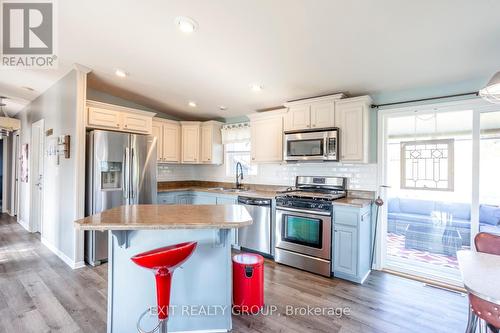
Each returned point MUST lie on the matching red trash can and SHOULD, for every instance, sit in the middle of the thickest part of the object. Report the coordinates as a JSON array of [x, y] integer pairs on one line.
[[248, 283]]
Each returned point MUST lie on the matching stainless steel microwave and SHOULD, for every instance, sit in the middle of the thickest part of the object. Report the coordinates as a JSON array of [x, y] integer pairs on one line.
[[311, 145]]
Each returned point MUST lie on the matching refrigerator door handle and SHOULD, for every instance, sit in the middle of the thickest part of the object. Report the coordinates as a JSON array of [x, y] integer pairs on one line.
[[132, 176], [125, 173]]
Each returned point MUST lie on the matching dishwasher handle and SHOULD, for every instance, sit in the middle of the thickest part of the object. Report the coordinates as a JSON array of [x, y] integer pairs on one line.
[[254, 201]]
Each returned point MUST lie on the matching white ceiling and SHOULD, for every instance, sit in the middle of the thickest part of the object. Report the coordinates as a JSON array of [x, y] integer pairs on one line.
[[294, 48]]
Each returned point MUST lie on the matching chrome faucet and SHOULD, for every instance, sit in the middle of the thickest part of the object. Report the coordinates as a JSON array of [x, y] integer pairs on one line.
[[238, 165]]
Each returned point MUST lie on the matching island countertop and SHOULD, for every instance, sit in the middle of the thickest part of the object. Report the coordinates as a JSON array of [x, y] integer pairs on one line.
[[157, 217]]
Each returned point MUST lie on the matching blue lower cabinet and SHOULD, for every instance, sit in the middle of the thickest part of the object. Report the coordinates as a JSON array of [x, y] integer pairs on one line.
[[351, 243], [204, 199], [166, 198], [345, 251], [185, 199], [199, 198], [234, 232], [194, 198], [227, 200]]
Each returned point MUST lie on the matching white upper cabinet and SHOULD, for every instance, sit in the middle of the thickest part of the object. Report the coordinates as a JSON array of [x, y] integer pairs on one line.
[[267, 136], [137, 123], [168, 146], [113, 117], [189, 142], [103, 118], [157, 132], [190, 152], [211, 143], [323, 114], [352, 117], [311, 113], [171, 142], [299, 117]]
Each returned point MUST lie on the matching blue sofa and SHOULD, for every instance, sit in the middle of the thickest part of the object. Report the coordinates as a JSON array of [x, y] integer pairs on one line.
[[405, 212]]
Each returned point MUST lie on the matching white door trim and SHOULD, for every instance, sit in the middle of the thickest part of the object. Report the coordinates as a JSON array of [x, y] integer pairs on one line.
[[5, 167], [79, 150], [14, 201], [33, 175]]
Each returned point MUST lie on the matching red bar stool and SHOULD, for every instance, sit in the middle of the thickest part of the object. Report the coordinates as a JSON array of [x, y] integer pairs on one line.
[[163, 262], [479, 307]]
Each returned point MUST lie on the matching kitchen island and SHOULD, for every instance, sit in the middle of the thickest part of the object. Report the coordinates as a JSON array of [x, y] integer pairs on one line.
[[201, 287]]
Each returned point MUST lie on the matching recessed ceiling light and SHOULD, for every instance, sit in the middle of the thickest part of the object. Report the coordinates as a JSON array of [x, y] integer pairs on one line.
[[223, 108], [192, 104], [121, 73], [186, 24], [256, 87]]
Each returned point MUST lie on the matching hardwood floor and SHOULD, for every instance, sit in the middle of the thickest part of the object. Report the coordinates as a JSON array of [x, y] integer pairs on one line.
[[39, 293]]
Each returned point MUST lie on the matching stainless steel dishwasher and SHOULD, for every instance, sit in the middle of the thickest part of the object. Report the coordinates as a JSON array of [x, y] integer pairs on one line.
[[257, 237]]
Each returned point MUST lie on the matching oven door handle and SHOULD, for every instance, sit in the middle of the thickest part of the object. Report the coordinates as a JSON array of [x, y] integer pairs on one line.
[[303, 211]]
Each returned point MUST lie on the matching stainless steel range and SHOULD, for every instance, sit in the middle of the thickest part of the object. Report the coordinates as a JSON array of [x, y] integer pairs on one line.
[[304, 223]]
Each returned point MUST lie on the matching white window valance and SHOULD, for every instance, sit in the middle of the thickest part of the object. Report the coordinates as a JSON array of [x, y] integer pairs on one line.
[[232, 133]]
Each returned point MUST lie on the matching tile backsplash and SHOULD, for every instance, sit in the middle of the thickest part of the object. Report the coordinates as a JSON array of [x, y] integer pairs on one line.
[[361, 176]]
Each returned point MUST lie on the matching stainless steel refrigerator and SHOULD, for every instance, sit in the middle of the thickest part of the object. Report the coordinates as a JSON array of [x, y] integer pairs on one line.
[[121, 170]]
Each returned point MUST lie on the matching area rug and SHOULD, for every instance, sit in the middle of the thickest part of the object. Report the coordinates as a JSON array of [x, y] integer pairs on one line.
[[396, 248]]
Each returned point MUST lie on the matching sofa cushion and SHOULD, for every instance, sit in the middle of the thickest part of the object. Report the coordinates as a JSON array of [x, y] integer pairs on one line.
[[492, 229], [460, 223], [393, 205], [421, 207], [404, 217], [457, 210], [489, 214]]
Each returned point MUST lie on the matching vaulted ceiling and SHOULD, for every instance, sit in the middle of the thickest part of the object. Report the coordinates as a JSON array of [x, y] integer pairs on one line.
[[293, 48]]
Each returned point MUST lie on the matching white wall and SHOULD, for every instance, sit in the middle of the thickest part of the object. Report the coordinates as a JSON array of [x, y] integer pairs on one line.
[[361, 176], [58, 107]]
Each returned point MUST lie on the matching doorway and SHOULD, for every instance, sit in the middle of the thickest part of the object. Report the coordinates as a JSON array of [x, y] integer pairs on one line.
[[36, 175], [432, 158]]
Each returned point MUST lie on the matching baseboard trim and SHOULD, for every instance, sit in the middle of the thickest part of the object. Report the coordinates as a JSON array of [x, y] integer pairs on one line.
[[67, 260], [24, 225], [204, 331]]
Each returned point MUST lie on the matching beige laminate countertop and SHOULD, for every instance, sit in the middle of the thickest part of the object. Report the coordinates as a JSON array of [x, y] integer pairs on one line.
[[157, 217], [353, 202], [249, 193], [349, 201]]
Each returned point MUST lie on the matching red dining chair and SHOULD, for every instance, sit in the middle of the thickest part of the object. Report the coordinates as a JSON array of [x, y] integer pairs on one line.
[[480, 307]]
